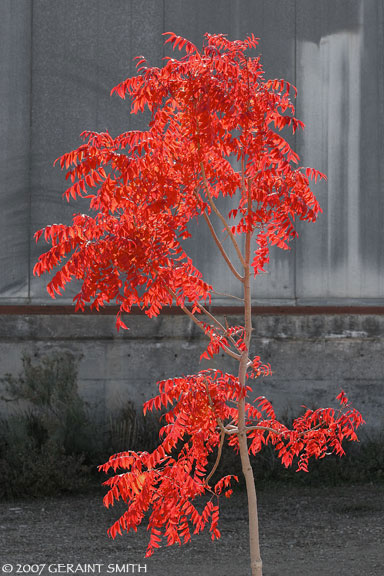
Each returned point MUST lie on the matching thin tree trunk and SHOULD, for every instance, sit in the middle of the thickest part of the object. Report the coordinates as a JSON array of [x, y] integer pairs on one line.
[[256, 563]]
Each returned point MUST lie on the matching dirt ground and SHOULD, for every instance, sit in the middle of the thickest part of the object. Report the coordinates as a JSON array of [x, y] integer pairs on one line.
[[304, 532]]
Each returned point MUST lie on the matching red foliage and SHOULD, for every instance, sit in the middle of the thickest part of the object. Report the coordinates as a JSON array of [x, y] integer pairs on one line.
[[209, 108], [213, 132], [201, 411]]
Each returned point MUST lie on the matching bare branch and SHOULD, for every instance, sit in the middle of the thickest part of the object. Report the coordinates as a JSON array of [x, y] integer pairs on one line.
[[235, 430], [228, 295], [212, 317], [201, 325], [219, 214], [230, 429], [222, 435], [218, 419], [221, 248], [219, 325]]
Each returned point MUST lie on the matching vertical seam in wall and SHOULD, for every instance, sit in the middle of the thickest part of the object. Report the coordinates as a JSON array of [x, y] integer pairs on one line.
[[130, 45], [130, 72], [294, 136], [163, 53], [30, 151], [380, 86], [380, 97], [98, 72]]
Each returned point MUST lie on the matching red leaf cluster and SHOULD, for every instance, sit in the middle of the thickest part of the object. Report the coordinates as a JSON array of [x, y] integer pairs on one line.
[[168, 480], [211, 110], [201, 411]]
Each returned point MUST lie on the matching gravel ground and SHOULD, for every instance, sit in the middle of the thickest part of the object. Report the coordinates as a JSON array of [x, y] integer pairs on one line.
[[304, 532]]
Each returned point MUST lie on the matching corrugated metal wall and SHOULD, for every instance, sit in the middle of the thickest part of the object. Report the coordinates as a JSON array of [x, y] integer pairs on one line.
[[59, 61]]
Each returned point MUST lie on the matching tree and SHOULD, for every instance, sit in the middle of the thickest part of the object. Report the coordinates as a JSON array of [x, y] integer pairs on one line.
[[214, 132]]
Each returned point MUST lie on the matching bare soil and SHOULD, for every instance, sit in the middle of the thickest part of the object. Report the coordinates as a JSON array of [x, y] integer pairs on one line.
[[304, 532]]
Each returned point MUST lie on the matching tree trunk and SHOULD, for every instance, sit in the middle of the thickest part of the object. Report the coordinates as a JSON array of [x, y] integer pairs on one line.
[[256, 563]]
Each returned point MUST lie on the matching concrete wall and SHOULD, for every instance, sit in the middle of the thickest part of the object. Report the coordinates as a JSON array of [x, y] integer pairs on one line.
[[58, 62], [312, 356]]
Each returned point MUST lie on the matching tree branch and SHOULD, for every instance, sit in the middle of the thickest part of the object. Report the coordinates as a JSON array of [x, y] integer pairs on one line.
[[223, 220], [221, 248], [216, 321], [230, 429], [218, 419], [200, 324], [222, 435], [212, 317], [228, 295]]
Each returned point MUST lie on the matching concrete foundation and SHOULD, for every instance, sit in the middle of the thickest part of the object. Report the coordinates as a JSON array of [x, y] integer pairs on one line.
[[312, 357]]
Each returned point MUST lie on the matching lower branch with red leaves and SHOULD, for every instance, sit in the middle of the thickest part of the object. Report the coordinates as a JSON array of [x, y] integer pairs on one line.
[[202, 411]]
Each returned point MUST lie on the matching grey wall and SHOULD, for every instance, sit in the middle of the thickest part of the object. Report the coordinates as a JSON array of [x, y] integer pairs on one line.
[[59, 60], [312, 357], [340, 81]]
